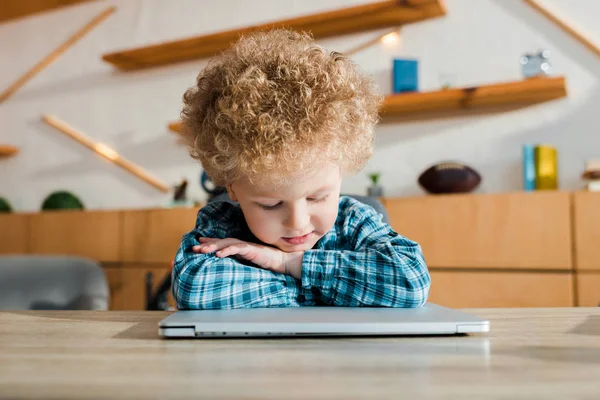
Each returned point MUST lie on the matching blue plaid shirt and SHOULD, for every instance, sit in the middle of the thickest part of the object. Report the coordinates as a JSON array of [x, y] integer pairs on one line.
[[361, 261]]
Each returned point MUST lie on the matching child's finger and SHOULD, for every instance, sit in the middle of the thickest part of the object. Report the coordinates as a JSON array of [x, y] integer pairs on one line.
[[228, 251], [201, 248]]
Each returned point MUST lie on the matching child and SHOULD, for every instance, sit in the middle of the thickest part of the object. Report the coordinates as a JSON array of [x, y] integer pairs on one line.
[[277, 121]]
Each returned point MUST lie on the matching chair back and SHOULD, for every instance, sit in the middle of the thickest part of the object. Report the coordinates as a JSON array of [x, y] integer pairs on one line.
[[31, 282]]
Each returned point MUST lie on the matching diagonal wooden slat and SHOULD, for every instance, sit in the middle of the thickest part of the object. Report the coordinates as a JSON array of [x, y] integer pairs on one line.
[[7, 150]]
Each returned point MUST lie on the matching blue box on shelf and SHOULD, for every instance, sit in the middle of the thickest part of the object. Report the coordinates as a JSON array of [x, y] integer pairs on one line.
[[405, 75], [529, 167]]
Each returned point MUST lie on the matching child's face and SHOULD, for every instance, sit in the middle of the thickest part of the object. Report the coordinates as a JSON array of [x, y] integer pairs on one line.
[[294, 217]]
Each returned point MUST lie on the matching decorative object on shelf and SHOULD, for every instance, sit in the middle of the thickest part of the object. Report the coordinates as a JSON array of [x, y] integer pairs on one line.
[[592, 175], [105, 151], [528, 168], [211, 189], [536, 64], [405, 75], [347, 20], [180, 191], [375, 189], [5, 206], [449, 177], [552, 16], [446, 80], [53, 56], [180, 198], [7, 150], [539, 167], [62, 200], [546, 167]]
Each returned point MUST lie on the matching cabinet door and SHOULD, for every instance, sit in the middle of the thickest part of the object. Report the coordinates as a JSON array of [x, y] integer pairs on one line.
[[588, 289], [128, 286], [13, 234], [93, 234], [515, 230], [586, 211], [153, 236], [481, 289]]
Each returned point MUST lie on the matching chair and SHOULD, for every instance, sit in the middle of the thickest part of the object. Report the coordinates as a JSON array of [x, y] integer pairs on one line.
[[158, 300], [31, 282]]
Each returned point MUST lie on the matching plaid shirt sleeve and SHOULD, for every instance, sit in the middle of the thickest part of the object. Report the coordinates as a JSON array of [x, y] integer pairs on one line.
[[381, 268], [204, 281]]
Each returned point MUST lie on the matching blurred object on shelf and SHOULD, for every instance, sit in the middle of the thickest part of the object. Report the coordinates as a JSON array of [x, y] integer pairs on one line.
[[528, 168], [62, 200], [546, 167], [5, 206], [449, 177], [592, 175], [536, 64], [405, 75]]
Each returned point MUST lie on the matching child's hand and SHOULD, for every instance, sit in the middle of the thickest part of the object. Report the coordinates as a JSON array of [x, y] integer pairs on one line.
[[266, 257]]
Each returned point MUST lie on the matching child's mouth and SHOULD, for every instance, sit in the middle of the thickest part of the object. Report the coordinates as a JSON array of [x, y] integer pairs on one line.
[[298, 239]]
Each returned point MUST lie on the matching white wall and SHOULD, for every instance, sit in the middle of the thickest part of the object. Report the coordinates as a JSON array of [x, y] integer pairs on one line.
[[479, 41]]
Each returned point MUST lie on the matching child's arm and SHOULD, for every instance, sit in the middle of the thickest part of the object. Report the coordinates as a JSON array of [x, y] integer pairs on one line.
[[204, 281], [383, 269]]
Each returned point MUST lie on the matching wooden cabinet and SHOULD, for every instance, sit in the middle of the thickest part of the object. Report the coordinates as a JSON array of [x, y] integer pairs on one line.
[[514, 230], [536, 249], [588, 289], [153, 236], [14, 234], [128, 285], [586, 245], [93, 234], [501, 289], [586, 215]]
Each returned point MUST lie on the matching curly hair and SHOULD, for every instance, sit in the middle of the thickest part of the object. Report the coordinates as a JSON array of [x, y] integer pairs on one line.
[[275, 105]]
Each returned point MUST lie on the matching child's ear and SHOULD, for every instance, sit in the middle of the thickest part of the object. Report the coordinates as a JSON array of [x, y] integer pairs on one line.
[[231, 192]]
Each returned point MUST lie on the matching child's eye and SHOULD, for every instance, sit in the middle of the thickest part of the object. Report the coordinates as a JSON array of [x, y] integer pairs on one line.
[[319, 200], [273, 207]]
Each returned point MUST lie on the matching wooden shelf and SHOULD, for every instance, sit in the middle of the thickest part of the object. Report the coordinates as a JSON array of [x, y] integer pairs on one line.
[[7, 151], [500, 97], [12, 9], [497, 97], [343, 21]]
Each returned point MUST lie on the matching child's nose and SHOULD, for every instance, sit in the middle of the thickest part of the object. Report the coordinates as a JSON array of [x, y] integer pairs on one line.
[[297, 220]]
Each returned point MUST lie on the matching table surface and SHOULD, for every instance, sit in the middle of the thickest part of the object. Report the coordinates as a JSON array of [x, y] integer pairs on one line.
[[542, 353]]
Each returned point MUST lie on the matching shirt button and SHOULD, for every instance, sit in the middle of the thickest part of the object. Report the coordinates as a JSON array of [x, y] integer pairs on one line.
[[301, 298]]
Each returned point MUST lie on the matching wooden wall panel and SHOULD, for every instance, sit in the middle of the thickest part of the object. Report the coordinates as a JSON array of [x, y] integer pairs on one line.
[[586, 214], [475, 289], [13, 233], [93, 234], [154, 235], [588, 289], [514, 230]]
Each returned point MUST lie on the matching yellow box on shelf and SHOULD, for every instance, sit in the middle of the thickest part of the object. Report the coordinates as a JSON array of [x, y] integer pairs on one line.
[[546, 167]]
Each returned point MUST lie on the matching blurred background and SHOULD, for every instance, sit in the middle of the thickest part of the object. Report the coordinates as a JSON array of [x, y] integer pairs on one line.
[[485, 155]]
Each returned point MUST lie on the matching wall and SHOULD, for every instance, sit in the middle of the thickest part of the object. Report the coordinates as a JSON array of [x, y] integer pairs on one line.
[[477, 42]]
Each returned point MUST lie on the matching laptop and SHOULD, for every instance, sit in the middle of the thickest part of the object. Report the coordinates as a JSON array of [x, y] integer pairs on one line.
[[431, 319]]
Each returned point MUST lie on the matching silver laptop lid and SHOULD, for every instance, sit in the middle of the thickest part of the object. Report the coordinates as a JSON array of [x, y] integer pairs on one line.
[[306, 321]]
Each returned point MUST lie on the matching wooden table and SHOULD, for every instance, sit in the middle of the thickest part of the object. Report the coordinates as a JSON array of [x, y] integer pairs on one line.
[[529, 353]]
